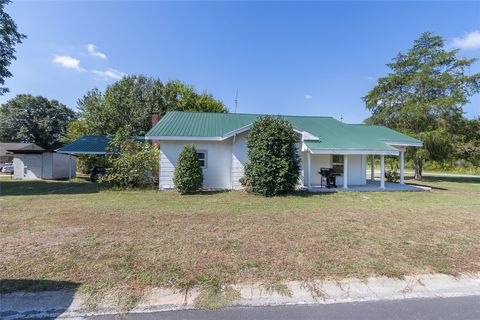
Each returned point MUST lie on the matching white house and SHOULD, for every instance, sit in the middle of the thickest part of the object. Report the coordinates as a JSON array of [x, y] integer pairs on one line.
[[220, 140], [34, 162]]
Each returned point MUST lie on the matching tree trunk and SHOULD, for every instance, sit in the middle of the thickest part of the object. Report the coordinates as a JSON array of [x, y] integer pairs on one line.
[[418, 168]]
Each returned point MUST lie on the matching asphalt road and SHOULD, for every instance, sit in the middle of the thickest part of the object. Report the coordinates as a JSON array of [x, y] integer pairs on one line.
[[462, 308]]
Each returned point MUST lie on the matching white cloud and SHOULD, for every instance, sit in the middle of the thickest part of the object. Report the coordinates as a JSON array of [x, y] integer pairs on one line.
[[308, 97], [370, 78], [92, 49], [468, 41], [110, 74], [68, 62]]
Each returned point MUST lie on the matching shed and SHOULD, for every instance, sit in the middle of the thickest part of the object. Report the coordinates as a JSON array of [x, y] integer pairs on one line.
[[35, 162]]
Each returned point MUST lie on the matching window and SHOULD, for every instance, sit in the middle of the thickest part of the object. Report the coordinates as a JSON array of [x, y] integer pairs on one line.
[[337, 163], [202, 158]]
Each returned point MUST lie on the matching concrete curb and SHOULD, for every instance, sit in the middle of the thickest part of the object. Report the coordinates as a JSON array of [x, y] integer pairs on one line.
[[68, 304]]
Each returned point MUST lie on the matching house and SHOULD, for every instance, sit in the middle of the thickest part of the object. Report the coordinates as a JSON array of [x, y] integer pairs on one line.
[[33, 162], [220, 140]]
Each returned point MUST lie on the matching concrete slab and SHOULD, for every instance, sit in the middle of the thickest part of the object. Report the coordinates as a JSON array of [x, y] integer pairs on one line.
[[372, 186]]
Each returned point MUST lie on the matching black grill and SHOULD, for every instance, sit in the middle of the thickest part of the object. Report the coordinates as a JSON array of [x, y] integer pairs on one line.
[[330, 176]]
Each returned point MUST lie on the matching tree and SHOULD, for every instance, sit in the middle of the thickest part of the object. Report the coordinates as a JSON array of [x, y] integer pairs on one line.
[[423, 96], [133, 164], [273, 166], [188, 175], [468, 147], [128, 104], [26, 118], [9, 37]]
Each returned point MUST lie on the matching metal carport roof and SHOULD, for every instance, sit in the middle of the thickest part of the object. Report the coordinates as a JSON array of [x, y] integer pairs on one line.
[[87, 145]]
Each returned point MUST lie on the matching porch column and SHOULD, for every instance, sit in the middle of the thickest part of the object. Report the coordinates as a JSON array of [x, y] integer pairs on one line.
[[345, 172], [309, 170], [382, 171], [402, 167], [372, 168]]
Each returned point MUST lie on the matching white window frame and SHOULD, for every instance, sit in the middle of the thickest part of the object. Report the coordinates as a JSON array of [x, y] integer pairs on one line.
[[205, 162], [338, 163]]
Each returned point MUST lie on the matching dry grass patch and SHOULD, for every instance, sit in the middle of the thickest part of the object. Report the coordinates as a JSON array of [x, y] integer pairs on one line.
[[127, 241]]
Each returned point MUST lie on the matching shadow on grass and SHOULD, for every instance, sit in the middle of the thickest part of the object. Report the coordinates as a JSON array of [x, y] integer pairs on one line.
[[19, 307], [427, 185], [451, 179], [42, 187], [308, 194], [31, 285]]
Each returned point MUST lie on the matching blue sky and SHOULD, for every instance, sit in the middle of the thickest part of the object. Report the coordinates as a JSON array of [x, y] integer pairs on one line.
[[312, 58]]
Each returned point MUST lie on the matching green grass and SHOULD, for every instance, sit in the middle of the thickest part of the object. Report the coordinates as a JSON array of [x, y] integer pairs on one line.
[[58, 234]]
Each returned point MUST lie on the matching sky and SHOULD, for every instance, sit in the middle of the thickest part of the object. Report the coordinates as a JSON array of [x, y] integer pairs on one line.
[[300, 58]]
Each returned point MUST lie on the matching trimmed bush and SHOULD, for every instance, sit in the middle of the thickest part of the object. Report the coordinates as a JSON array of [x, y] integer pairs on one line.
[[273, 166], [188, 176]]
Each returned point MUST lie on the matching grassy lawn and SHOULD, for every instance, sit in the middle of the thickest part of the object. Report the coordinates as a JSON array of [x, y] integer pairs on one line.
[[57, 233]]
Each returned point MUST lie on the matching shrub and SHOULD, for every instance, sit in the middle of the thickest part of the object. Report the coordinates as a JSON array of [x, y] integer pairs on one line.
[[273, 162], [392, 175], [134, 163], [188, 176]]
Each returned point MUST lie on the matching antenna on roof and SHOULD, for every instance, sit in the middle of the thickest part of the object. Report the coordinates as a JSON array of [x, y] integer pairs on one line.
[[236, 101]]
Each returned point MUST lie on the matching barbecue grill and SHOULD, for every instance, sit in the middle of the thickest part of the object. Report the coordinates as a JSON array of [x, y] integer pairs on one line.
[[330, 176]]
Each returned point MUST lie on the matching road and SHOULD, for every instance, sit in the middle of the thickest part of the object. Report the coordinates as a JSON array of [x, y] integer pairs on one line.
[[461, 308]]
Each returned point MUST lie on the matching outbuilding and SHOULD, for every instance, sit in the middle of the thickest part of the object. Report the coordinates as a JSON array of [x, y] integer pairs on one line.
[[34, 162]]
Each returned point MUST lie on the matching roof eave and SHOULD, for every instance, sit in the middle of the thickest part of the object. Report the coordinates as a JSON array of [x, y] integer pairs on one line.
[[404, 143], [184, 138], [354, 152]]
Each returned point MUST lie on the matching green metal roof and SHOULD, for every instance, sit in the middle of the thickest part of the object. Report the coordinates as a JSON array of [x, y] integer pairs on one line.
[[87, 145], [333, 134]]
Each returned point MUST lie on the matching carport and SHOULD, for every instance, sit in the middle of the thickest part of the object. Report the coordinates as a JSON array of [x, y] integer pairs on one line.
[[87, 145]]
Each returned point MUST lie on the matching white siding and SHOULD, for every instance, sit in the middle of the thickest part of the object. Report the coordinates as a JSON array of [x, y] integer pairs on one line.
[[356, 171], [61, 166], [319, 161], [226, 161], [28, 166], [239, 158], [45, 165], [217, 173], [356, 168]]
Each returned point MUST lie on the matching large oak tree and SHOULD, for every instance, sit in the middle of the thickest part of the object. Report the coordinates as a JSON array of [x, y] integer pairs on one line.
[[424, 96], [39, 120]]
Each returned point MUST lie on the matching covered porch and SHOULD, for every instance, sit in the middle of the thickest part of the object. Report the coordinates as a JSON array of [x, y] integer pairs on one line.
[[351, 167]]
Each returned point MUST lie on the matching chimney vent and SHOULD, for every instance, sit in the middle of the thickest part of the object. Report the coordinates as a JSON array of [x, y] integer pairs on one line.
[[155, 118]]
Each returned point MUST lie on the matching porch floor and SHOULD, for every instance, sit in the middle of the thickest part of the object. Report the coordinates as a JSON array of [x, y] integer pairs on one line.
[[372, 186]]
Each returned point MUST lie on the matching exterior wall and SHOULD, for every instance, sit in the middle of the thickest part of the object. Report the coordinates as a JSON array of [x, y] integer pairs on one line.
[[27, 166], [45, 165], [61, 166], [226, 160], [356, 169], [217, 173], [239, 158]]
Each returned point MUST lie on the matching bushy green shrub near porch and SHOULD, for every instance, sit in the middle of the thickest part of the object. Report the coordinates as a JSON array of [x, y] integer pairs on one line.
[[133, 164], [273, 167], [188, 176]]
